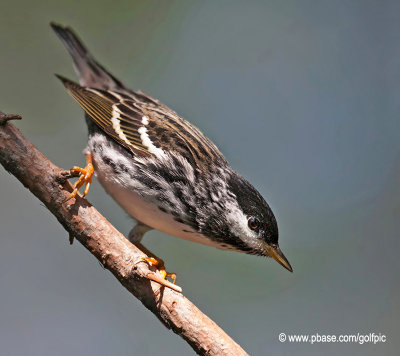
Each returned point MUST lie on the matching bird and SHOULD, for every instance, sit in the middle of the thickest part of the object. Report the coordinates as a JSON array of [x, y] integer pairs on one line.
[[162, 170]]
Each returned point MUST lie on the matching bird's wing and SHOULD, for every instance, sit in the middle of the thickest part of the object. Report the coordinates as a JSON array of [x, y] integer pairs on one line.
[[143, 125]]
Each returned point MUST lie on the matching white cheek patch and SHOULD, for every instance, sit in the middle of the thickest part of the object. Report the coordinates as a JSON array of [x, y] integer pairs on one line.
[[239, 227], [238, 221]]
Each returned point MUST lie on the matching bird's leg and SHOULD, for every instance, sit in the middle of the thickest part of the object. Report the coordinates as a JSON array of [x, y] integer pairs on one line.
[[85, 177], [137, 233], [135, 236]]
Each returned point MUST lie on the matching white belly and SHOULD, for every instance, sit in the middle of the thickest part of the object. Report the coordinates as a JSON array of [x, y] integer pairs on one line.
[[142, 210]]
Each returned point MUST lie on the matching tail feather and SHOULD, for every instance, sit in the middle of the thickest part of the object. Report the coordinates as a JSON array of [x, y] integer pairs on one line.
[[90, 72]]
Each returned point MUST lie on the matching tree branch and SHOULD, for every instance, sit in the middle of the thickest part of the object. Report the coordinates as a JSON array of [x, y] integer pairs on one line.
[[82, 221], [7, 117]]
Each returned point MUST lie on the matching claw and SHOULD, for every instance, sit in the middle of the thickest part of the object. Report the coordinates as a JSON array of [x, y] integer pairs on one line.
[[159, 264], [85, 178], [164, 282]]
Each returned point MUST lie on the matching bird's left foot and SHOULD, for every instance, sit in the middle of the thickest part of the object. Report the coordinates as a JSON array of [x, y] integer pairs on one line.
[[135, 236], [159, 264]]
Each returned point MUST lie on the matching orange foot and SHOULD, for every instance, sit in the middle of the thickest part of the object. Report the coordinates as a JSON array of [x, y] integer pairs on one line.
[[85, 177], [159, 264]]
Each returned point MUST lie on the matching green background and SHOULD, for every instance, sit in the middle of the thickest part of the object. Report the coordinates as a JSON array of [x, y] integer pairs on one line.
[[303, 99]]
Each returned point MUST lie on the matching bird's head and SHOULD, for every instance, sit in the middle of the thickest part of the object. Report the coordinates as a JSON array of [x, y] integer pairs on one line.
[[251, 222]]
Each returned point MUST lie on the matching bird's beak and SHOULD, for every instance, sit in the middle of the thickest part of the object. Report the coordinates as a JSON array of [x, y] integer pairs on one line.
[[275, 252]]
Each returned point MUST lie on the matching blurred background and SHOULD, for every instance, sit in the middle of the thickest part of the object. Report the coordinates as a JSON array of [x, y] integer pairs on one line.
[[303, 99]]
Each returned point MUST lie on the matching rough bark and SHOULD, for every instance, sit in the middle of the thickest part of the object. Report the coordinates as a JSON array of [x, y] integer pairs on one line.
[[81, 220]]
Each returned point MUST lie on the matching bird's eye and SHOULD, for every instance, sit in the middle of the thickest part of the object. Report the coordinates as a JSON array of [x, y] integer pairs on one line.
[[253, 223]]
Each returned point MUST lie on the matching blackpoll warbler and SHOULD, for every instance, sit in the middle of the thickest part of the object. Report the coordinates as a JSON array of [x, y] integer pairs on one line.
[[161, 169]]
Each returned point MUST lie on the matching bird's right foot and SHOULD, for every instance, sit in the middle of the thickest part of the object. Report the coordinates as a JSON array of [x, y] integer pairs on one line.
[[85, 177]]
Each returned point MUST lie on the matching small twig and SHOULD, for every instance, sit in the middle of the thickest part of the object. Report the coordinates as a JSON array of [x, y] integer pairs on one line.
[[7, 117]]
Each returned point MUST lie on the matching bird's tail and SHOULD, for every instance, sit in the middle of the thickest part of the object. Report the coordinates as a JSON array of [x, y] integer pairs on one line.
[[90, 72]]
